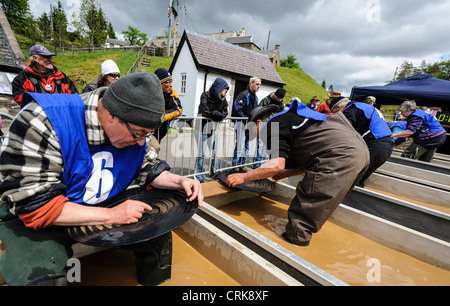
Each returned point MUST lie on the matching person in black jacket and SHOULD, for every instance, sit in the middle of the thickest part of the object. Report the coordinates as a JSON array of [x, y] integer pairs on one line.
[[245, 102], [213, 108], [275, 98], [172, 102]]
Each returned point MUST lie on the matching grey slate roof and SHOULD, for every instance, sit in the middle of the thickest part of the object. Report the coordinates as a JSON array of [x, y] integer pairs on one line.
[[6, 56], [12, 60], [118, 42], [242, 40], [10, 54], [217, 55]]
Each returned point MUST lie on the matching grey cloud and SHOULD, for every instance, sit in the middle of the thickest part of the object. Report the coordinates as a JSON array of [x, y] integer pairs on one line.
[[332, 39]]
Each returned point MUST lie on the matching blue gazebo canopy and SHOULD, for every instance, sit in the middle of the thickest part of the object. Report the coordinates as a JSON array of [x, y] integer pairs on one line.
[[425, 89]]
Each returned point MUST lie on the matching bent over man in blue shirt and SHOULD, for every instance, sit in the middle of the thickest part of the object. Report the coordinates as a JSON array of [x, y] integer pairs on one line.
[[327, 149]]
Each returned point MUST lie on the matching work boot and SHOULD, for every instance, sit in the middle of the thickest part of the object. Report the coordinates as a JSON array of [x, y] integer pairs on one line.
[[154, 260]]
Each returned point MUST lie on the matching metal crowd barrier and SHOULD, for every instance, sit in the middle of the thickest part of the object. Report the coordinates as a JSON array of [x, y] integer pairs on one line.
[[181, 145], [180, 148]]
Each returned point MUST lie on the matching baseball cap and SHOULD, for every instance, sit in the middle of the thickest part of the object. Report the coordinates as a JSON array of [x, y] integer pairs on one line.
[[40, 50]]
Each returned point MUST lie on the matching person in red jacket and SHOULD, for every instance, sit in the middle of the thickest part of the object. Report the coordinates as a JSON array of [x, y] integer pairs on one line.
[[41, 76], [324, 107]]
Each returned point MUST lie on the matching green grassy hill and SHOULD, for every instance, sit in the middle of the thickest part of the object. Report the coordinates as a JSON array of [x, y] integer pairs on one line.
[[300, 84], [84, 67]]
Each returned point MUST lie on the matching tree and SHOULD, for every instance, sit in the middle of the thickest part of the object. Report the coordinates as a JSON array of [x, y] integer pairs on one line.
[[290, 62], [444, 72], [59, 19], [406, 70], [134, 36], [43, 23], [440, 70], [17, 12], [91, 22], [111, 32], [324, 84]]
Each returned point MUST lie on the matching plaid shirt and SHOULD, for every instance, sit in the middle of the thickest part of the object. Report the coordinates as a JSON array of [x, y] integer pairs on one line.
[[31, 162]]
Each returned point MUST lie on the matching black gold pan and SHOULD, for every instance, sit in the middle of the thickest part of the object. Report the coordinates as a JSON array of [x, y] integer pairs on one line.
[[259, 186], [170, 210]]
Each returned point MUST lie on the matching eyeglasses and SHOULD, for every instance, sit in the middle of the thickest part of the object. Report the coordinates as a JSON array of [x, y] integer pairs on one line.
[[135, 137], [114, 75]]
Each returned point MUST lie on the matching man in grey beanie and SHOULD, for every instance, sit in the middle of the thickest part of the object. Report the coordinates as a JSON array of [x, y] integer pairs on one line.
[[65, 156]]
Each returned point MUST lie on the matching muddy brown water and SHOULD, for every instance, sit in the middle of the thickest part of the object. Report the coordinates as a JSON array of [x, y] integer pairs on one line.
[[340, 252], [115, 267]]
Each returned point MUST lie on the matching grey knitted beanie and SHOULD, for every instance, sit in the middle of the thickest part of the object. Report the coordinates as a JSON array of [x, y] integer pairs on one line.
[[136, 98]]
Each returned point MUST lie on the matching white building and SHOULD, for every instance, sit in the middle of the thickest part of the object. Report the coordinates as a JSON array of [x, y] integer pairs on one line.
[[200, 60]]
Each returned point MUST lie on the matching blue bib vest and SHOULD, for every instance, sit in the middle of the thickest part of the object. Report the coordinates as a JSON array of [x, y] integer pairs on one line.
[[400, 124], [302, 110], [378, 126], [429, 120], [92, 174]]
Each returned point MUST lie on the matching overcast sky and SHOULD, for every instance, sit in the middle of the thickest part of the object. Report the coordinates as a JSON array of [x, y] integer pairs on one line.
[[346, 42]]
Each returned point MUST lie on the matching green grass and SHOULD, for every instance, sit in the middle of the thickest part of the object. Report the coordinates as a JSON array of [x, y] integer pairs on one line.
[[300, 84], [83, 67]]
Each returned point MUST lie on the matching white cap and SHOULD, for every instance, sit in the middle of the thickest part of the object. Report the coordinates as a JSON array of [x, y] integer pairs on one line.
[[109, 66]]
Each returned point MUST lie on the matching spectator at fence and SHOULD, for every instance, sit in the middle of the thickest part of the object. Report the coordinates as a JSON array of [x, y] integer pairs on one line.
[[324, 107], [171, 99], [426, 131], [275, 98], [53, 186], [214, 107], [110, 74], [370, 124], [245, 102], [314, 103], [41, 76], [327, 149]]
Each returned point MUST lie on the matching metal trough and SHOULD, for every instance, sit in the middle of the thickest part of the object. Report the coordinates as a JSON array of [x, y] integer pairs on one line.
[[389, 236]]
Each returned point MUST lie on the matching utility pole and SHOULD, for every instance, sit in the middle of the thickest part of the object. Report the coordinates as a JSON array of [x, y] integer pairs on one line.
[[175, 31], [51, 22], [169, 28]]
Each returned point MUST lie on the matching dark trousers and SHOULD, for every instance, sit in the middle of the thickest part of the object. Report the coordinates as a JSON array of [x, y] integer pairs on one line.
[[336, 158], [416, 151], [162, 131], [40, 257], [379, 153]]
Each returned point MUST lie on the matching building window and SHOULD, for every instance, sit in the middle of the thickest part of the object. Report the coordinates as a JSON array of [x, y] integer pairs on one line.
[[183, 83]]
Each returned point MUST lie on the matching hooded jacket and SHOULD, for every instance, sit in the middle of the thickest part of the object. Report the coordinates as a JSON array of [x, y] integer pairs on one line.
[[211, 105]]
